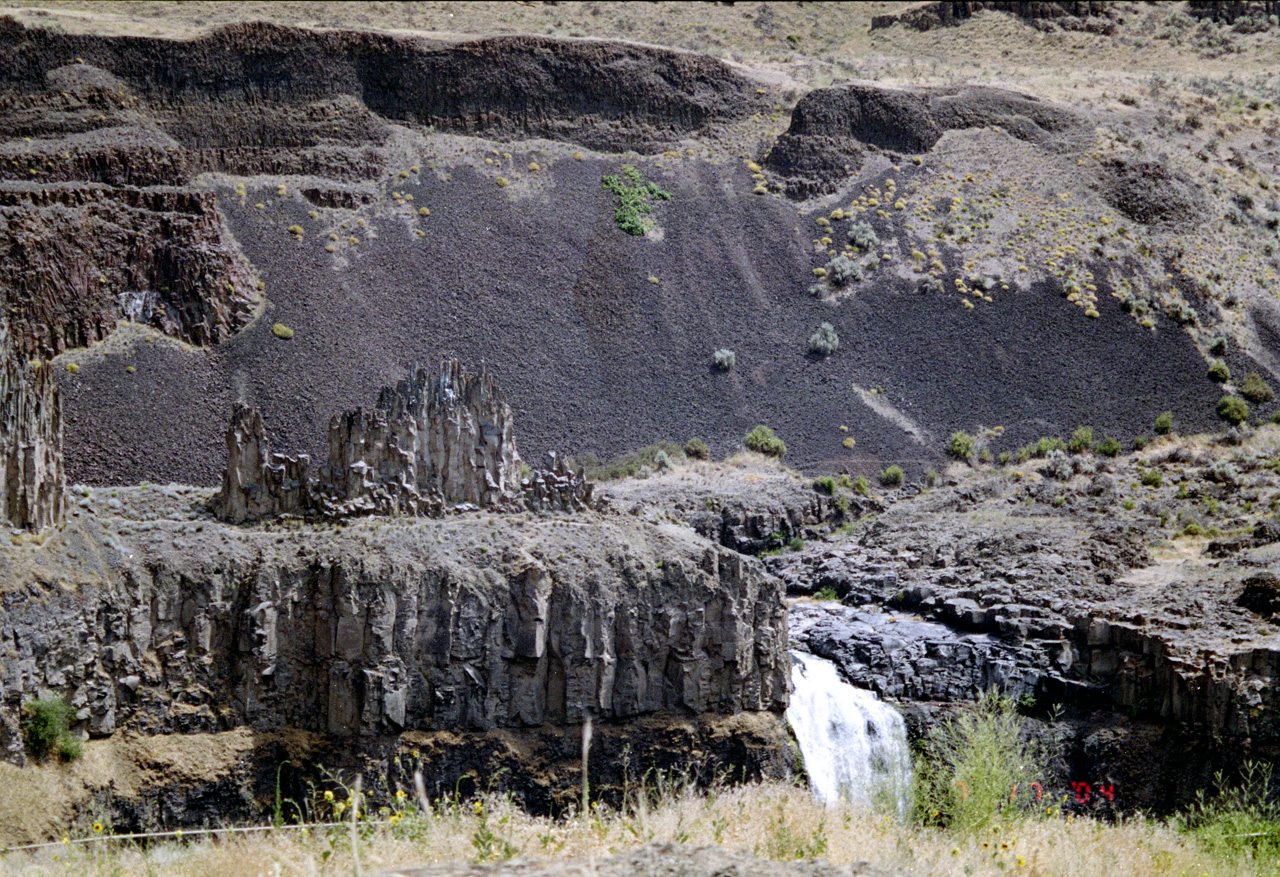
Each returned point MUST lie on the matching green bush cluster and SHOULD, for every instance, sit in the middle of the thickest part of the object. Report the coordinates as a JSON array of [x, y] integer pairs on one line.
[[892, 476], [762, 440], [1255, 388], [696, 449], [635, 199], [969, 765], [46, 729], [1109, 447], [960, 445], [1081, 440], [825, 484], [1233, 409], [724, 359], [1164, 423], [1219, 372]]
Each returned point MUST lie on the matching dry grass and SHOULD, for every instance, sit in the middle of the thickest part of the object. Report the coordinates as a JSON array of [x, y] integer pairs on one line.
[[774, 821]]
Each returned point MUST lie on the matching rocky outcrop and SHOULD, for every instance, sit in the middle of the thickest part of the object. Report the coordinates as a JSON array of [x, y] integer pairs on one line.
[[257, 483], [1089, 15], [431, 442], [832, 128], [32, 491], [1255, 12], [449, 635], [558, 488], [291, 88]]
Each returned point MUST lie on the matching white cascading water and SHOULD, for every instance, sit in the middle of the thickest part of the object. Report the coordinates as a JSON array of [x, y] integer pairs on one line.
[[854, 746]]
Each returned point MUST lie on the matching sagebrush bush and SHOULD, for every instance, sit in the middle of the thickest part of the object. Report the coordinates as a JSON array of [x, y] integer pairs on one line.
[[1081, 440], [931, 286], [863, 236], [824, 341], [1109, 447], [762, 440], [1219, 372], [825, 484], [724, 359], [960, 445], [1255, 388], [842, 271], [696, 449], [1233, 409], [892, 476], [1164, 423]]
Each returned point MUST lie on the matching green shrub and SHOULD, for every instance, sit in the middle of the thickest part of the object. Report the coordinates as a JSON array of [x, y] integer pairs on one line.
[[724, 359], [1046, 444], [1218, 345], [1081, 440], [1240, 822], [46, 729], [969, 765], [1233, 409], [893, 476], [1164, 423], [1256, 389], [696, 449], [848, 443], [1109, 447], [930, 477], [642, 462], [281, 331], [960, 445], [762, 440], [1219, 372], [1140, 442], [1151, 477], [827, 594], [825, 484], [862, 486], [845, 481], [824, 341], [635, 199]]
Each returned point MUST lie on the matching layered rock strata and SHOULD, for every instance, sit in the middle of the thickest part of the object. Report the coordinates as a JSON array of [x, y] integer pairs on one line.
[[32, 491]]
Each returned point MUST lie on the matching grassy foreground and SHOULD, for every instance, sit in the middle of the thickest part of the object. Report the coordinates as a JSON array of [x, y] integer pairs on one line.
[[776, 821]]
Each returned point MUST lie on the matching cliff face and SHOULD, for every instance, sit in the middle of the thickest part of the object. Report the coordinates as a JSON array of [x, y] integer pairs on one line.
[[470, 624], [33, 484]]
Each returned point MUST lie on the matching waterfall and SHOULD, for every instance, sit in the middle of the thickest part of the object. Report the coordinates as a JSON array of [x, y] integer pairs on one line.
[[854, 746]]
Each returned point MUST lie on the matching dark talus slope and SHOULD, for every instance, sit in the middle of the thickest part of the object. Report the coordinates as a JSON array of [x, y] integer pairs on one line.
[[387, 242]]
